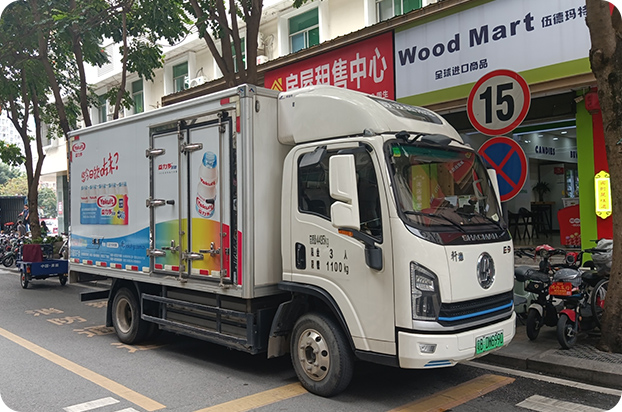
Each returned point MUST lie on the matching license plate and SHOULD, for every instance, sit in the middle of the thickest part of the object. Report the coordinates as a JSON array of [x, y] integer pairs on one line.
[[560, 289], [488, 342]]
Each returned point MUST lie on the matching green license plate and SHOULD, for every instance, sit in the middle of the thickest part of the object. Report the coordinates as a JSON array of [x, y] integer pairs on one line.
[[489, 342]]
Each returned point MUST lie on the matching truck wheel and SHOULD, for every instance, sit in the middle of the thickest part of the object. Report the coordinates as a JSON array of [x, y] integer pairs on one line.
[[126, 319], [23, 280], [62, 278], [321, 355]]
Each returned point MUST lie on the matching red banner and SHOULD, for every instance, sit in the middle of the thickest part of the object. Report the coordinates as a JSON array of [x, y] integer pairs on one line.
[[366, 66]]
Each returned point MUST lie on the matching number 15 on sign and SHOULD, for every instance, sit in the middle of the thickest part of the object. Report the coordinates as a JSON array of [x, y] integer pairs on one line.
[[498, 102]]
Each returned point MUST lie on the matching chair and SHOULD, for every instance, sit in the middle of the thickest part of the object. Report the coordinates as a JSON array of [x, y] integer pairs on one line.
[[520, 222]]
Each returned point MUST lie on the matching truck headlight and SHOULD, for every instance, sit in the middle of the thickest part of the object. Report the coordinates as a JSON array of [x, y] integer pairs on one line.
[[425, 295]]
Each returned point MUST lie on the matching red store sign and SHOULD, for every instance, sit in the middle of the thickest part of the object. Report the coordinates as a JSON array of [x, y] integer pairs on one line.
[[366, 66]]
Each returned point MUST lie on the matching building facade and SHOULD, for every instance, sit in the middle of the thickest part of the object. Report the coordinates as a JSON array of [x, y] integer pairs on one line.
[[430, 56]]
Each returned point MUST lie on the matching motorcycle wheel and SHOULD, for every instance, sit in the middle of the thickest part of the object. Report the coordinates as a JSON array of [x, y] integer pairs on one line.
[[597, 300], [534, 323], [566, 334], [9, 261]]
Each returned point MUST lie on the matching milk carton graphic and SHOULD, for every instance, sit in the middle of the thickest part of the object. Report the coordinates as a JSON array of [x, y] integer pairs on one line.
[[88, 209], [122, 211], [208, 185]]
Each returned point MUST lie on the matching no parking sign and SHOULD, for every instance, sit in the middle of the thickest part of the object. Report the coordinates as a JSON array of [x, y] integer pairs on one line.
[[509, 161]]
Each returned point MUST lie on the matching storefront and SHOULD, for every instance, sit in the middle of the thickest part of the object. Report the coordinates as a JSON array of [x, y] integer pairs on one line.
[[547, 43]]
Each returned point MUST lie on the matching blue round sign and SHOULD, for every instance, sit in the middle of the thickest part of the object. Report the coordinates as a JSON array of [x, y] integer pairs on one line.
[[508, 159]]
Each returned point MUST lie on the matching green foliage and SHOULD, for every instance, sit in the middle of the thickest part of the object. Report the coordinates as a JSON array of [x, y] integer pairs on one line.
[[11, 154], [47, 202], [7, 173], [17, 186]]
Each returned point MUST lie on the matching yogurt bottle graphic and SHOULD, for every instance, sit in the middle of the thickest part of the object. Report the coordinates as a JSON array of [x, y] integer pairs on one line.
[[208, 185]]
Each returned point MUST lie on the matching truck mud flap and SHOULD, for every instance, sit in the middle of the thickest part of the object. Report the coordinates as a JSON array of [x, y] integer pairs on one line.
[[95, 295]]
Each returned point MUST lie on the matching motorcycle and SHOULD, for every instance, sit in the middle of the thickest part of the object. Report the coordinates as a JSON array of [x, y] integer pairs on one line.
[[580, 292], [540, 309]]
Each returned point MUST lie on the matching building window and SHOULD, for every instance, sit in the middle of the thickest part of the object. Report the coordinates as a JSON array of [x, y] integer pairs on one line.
[[137, 96], [102, 109], [243, 47], [304, 31], [385, 9], [180, 77]]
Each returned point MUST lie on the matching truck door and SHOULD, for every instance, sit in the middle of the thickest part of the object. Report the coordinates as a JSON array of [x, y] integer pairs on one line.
[[336, 262], [168, 235], [191, 199]]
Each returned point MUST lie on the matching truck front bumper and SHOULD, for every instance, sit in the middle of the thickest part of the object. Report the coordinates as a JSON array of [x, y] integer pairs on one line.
[[415, 349]]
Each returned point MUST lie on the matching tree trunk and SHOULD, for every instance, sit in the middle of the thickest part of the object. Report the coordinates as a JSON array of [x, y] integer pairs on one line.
[[606, 60]]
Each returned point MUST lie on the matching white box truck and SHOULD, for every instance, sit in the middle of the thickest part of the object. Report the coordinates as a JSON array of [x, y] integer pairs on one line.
[[321, 222]]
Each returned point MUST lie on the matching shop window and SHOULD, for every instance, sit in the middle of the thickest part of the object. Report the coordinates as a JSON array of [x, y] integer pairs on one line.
[[137, 96], [180, 77], [304, 30], [314, 195], [385, 9]]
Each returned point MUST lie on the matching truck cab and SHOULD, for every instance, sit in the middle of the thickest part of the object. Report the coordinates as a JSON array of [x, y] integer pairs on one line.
[[395, 229]]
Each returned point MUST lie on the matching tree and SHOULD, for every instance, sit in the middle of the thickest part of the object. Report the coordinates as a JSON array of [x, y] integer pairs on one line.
[[218, 20], [17, 186], [7, 173], [47, 202], [605, 26]]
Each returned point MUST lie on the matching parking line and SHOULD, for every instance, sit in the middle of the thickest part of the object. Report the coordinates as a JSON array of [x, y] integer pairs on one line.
[[108, 384], [259, 399], [457, 395]]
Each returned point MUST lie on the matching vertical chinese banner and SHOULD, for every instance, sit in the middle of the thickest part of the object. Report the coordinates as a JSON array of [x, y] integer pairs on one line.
[[366, 66]]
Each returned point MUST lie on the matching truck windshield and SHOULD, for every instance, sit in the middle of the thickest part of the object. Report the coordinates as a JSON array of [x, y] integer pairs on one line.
[[442, 187]]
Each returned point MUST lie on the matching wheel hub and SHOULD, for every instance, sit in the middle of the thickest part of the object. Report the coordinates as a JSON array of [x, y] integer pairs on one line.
[[124, 315], [314, 354]]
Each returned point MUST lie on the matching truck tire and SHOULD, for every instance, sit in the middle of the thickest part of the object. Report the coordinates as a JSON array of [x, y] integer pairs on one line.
[[321, 355], [126, 319], [23, 280]]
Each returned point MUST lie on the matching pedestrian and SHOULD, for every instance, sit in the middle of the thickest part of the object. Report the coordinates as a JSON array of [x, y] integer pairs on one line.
[[44, 230], [24, 216], [21, 229]]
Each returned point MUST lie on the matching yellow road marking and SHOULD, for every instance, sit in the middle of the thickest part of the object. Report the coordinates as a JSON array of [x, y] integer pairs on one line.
[[458, 395], [112, 386], [259, 399]]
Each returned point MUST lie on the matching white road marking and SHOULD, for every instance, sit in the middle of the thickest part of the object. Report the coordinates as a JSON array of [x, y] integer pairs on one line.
[[544, 404], [87, 406]]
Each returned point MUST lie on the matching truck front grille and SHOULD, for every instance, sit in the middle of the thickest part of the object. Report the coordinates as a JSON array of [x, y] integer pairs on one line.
[[460, 313]]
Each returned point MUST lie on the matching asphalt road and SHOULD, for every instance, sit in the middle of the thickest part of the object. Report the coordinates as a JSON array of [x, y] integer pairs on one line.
[[56, 355]]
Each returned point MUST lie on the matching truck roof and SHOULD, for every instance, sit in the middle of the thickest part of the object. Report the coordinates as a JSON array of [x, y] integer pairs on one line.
[[323, 112]]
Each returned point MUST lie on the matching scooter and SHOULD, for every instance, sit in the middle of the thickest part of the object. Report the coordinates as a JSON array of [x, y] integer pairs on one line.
[[577, 289], [541, 309]]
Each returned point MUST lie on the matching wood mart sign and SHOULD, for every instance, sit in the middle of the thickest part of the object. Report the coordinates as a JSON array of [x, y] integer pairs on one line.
[[366, 67], [501, 34]]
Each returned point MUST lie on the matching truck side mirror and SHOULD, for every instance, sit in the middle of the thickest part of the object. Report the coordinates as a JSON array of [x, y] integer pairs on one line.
[[342, 186]]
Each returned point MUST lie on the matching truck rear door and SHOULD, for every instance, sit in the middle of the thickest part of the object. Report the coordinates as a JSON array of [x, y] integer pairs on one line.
[[192, 196]]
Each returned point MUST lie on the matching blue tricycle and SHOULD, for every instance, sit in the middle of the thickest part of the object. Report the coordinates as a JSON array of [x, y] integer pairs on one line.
[[35, 262]]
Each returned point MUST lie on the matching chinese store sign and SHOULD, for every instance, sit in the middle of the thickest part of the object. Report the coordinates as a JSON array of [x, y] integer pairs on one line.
[[366, 66], [501, 34], [603, 194]]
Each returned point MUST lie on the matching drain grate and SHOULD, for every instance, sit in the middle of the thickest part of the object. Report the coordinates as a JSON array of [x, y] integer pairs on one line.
[[591, 353]]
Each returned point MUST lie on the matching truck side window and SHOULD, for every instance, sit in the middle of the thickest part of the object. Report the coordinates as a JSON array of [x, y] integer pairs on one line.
[[314, 197]]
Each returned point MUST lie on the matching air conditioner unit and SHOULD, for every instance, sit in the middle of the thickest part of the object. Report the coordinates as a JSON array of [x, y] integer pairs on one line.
[[197, 81], [261, 59]]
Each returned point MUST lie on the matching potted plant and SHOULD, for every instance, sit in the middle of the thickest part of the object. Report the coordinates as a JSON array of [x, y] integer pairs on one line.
[[541, 188]]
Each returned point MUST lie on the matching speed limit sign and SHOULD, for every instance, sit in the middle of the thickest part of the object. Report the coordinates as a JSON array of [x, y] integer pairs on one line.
[[498, 102]]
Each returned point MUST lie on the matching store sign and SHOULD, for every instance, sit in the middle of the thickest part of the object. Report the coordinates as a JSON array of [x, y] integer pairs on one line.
[[603, 194], [365, 66], [501, 34]]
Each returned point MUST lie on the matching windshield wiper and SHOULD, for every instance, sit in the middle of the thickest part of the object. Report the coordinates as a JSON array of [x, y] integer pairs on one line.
[[415, 213], [473, 214]]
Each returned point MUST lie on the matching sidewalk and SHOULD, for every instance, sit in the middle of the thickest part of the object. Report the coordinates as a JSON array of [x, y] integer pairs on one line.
[[583, 363]]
